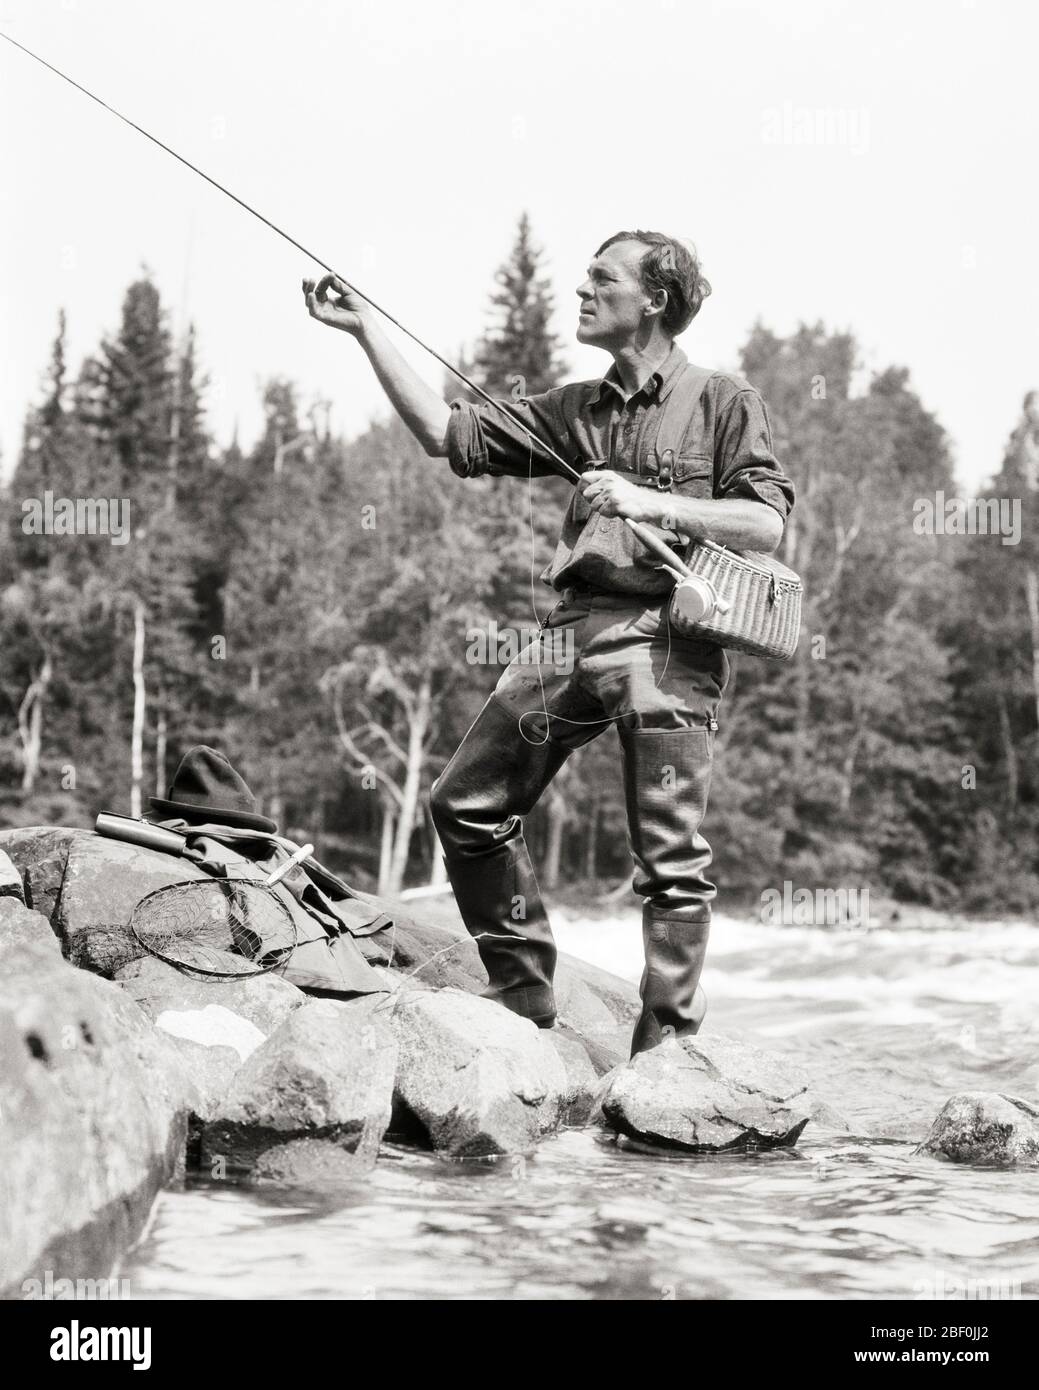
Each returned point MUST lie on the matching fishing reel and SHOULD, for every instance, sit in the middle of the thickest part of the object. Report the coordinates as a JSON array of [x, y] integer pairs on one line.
[[694, 600]]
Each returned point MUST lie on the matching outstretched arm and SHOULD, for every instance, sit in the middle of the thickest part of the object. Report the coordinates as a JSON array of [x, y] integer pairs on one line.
[[418, 405]]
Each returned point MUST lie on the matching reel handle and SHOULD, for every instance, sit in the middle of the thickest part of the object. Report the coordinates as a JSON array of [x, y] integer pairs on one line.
[[709, 597]]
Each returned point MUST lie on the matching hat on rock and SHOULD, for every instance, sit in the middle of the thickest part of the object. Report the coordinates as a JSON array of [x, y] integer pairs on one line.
[[207, 788]]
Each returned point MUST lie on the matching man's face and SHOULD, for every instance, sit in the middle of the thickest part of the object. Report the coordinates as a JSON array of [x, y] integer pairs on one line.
[[612, 297]]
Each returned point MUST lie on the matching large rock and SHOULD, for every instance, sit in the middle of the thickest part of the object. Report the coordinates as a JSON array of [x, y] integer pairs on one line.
[[104, 881], [985, 1127], [435, 956], [582, 1077], [20, 926], [311, 1163], [477, 1078], [94, 1105], [263, 999], [707, 1092], [10, 880], [39, 853], [216, 1025], [326, 1073], [445, 957]]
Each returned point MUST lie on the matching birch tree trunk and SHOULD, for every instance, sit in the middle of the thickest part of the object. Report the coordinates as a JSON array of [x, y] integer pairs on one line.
[[385, 847], [437, 867], [160, 752], [557, 818], [418, 727], [30, 724], [1009, 751], [591, 845], [137, 730]]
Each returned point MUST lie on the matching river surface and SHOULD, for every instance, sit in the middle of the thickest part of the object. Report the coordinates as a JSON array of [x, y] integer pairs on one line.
[[888, 1024]]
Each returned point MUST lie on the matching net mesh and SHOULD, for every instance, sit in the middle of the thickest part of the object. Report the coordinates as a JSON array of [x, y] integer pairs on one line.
[[222, 926]]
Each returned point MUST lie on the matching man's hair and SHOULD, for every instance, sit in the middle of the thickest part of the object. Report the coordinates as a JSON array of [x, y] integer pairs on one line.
[[669, 264]]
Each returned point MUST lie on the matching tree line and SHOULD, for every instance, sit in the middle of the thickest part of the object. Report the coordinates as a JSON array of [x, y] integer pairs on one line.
[[307, 605]]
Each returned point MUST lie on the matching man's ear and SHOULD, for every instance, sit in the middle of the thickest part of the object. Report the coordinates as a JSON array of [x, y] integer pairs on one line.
[[657, 303]]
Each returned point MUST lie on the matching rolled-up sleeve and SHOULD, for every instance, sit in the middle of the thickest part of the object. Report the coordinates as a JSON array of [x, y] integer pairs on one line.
[[745, 465], [482, 440]]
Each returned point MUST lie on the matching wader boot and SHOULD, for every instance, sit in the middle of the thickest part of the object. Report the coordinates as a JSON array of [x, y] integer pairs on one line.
[[478, 803], [673, 1005], [498, 897], [667, 774]]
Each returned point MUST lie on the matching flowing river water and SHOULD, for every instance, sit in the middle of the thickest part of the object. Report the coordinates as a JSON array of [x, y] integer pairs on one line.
[[888, 1024]]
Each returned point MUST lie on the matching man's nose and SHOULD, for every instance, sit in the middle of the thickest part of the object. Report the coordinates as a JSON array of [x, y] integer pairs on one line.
[[585, 291]]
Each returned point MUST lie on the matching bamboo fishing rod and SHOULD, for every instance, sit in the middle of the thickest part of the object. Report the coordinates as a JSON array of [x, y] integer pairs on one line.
[[659, 547]]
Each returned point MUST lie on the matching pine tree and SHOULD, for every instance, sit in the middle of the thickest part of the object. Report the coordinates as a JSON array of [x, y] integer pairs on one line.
[[519, 354]]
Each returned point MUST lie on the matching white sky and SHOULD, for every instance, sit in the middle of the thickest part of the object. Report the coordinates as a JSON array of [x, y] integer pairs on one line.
[[401, 140]]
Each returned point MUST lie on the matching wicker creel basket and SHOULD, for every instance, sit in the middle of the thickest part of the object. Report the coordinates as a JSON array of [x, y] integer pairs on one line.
[[760, 601]]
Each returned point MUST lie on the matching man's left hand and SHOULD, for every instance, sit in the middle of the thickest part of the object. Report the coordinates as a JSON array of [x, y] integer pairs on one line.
[[612, 494]]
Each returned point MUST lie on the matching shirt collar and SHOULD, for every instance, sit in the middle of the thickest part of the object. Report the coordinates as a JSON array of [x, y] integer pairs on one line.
[[659, 385]]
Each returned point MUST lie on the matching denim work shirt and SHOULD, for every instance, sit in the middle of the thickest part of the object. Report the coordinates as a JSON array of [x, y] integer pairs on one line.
[[726, 452]]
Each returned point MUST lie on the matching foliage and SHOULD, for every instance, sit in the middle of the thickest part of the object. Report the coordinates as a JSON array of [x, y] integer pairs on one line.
[[307, 605]]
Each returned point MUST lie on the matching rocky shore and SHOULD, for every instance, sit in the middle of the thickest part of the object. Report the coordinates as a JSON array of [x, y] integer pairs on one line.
[[121, 1073]]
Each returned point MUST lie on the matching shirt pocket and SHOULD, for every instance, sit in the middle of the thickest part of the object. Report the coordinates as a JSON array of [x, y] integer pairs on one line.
[[693, 475]]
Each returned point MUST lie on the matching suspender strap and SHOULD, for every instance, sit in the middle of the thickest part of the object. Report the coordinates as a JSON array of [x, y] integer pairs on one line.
[[674, 420]]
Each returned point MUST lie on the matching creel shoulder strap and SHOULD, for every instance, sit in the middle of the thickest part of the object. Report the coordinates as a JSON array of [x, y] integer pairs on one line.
[[675, 417]]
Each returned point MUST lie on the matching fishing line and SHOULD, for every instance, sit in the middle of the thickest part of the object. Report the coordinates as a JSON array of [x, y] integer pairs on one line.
[[567, 470]]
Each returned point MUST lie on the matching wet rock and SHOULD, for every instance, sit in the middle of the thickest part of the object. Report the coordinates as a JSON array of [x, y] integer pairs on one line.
[[103, 883], [39, 853], [707, 1092], [95, 1106], [10, 880], [477, 1078], [326, 1073], [311, 1163], [21, 927], [582, 1079], [985, 1127]]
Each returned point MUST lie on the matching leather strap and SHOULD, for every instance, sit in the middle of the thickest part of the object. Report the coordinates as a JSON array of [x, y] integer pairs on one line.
[[674, 420]]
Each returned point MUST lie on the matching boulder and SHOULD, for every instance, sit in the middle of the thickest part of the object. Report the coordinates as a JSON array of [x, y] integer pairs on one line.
[[435, 956], [39, 853], [985, 1127], [10, 880], [19, 926], [104, 881], [477, 1079], [310, 1163], [215, 1025], [263, 999], [707, 1092], [95, 1106], [582, 1078], [445, 957], [326, 1073], [617, 997]]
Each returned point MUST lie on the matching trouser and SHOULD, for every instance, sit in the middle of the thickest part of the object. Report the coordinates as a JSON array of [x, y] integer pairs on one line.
[[600, 660]]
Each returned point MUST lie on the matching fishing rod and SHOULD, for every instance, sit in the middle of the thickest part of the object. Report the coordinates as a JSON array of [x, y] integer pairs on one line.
[[653, 542]]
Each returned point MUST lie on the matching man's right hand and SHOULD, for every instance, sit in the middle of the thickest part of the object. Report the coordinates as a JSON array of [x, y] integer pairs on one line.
[[347, 310]]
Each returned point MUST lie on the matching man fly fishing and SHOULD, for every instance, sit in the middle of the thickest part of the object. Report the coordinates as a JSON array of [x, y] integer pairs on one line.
[[718, 480]]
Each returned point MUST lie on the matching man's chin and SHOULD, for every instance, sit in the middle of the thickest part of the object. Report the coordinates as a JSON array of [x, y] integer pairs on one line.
[[586, 332]]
